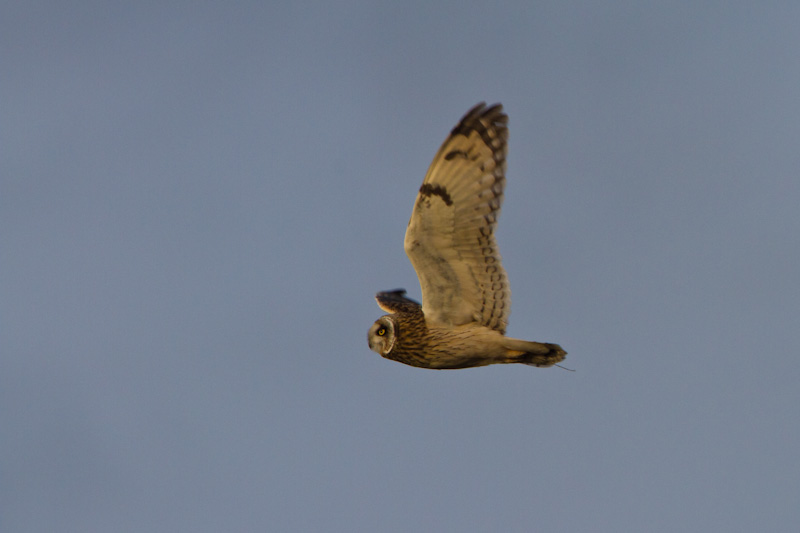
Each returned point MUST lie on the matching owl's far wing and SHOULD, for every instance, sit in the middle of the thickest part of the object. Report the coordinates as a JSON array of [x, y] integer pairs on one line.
[[395, 301], [450, 237]]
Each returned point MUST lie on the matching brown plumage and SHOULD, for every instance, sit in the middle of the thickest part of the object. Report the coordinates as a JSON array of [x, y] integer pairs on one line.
[[450, 241]]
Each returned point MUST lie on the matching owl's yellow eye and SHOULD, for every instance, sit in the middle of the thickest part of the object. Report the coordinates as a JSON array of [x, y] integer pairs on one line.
[[381, 331]]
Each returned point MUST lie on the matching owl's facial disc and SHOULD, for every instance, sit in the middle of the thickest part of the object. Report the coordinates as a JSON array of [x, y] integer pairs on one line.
[[381, 336]]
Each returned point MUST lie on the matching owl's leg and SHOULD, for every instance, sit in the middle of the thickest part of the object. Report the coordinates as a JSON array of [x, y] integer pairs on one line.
[[532, 353]]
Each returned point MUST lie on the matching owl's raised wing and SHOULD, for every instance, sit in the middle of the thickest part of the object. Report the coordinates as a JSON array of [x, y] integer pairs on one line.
[[396, 302], [450, 237]]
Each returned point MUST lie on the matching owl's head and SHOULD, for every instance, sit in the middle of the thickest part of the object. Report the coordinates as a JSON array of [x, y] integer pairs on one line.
[[381, 336]]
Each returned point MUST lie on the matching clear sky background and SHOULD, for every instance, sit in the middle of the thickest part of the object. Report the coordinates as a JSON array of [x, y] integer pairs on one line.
[[199, 201]]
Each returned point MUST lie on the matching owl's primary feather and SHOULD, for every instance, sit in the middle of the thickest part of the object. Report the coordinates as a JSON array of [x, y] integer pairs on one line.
[[450, 237], [466, 299]]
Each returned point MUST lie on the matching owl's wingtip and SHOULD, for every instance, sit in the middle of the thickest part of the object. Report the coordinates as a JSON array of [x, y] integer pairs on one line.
[[393, 292], [396, 300]]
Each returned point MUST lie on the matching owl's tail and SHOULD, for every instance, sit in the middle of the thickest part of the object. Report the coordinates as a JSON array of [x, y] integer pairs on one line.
[[532, 353]]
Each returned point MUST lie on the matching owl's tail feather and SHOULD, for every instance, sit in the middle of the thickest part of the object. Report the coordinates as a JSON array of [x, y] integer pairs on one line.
[[532, 353]]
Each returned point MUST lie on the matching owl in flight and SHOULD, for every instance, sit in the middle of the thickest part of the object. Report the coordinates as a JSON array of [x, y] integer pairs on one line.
[[450, 241]]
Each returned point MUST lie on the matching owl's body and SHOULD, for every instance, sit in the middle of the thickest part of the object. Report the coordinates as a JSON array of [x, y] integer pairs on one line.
[[450, 241]]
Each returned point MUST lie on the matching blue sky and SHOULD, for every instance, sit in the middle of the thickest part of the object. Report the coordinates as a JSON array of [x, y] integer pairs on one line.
[[199, 201]]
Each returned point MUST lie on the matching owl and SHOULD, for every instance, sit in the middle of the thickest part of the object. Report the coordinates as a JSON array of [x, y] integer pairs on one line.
[[450, 241]]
